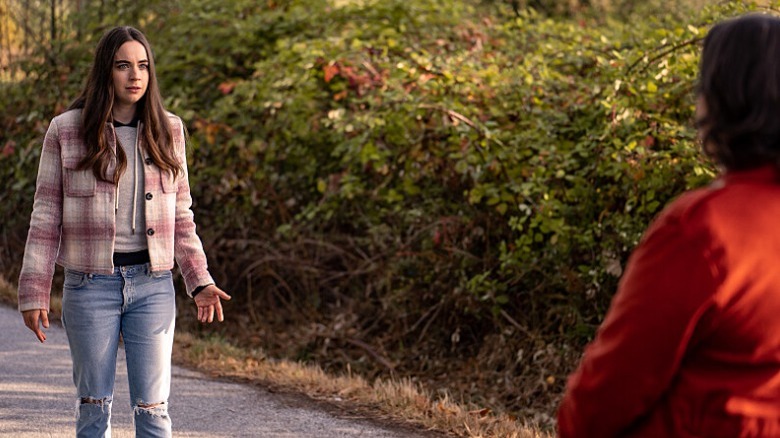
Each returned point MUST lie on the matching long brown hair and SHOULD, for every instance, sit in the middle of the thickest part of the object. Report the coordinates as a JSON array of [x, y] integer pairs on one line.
[[97, 101]]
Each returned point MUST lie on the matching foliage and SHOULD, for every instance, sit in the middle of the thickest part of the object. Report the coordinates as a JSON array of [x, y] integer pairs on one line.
[[423, 188]]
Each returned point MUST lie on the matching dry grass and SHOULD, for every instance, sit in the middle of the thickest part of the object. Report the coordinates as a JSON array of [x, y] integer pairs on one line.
[[7, 292], [401, 400]]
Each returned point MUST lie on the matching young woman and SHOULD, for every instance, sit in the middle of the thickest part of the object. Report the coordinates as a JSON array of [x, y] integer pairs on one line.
[[691, 344], [112, 206]]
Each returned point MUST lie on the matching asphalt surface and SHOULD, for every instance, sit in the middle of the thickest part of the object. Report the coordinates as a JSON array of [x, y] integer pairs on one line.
[[37, 398]]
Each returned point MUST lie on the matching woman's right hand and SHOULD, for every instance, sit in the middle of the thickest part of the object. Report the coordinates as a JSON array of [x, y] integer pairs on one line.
[[32, 318]]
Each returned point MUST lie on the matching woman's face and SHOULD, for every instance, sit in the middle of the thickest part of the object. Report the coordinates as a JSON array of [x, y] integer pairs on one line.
[[130, 74]]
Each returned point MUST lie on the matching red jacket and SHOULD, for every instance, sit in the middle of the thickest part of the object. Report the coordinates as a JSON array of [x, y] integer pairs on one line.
[[691, 344]]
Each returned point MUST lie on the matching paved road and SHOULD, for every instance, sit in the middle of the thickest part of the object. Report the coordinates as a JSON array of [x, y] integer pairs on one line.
[[37, 398]]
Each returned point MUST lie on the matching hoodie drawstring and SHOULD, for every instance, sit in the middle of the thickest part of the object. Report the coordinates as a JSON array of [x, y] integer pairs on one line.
[[116, 186], [135, 175]]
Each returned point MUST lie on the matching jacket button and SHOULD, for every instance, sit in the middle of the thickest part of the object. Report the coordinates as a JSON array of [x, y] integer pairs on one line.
[[150, 232], [149, 196], [148, 160]]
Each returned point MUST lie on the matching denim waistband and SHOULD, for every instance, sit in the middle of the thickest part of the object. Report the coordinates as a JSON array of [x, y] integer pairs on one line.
[[133, 270]]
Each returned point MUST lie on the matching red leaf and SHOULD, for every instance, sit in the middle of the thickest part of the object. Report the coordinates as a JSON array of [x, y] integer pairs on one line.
[[226, 87], [330, 71], [425, 77], [9, 148], [340, 95]]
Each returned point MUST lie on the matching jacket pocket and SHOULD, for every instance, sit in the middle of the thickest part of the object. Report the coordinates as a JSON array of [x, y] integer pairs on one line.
[[168, 182], [79, 183]]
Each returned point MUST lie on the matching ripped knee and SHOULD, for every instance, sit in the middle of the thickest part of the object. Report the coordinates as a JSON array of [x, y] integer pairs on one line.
[[95, 401], [153, 409], [89, 403]]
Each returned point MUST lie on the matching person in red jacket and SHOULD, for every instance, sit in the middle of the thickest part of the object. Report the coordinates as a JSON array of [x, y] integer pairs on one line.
[[690, 346]]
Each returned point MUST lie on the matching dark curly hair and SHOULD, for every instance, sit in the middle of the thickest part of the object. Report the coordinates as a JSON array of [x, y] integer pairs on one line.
[[739, 86]]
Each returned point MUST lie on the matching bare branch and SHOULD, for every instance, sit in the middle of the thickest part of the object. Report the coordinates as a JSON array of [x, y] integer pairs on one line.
[[663, 53]]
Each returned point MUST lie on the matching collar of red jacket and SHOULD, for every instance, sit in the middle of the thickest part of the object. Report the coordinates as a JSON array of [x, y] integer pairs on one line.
[[768, 173]]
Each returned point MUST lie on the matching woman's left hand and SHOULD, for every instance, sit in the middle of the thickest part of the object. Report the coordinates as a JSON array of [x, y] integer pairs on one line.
[[208, 302]]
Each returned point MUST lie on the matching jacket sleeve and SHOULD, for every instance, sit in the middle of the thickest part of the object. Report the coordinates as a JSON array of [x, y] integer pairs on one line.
[[668, 285], [188, 248], [43, 237]]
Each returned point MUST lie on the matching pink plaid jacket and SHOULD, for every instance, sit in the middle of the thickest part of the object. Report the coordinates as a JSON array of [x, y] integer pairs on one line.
[[73, 218]]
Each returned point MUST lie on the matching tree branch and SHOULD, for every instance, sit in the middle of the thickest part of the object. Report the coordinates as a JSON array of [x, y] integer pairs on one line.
[[660, 55]]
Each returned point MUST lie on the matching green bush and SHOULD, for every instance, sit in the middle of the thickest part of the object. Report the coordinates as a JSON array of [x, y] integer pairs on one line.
[[438, 188]]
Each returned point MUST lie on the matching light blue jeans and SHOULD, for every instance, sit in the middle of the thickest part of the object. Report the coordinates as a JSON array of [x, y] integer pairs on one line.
[[96, 309]]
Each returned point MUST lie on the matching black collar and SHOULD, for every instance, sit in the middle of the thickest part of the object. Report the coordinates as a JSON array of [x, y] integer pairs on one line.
[[133, 123]]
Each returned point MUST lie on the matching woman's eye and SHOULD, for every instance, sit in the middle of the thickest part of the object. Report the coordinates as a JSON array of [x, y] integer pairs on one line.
[[122, 66], [143, 66]]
